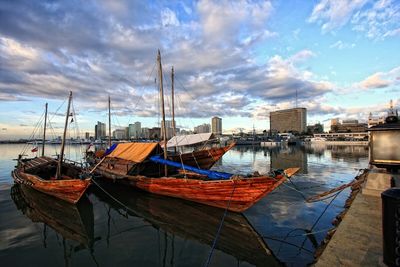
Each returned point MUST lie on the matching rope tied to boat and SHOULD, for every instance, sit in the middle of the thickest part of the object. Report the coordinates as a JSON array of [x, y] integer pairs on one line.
[[220, 226]]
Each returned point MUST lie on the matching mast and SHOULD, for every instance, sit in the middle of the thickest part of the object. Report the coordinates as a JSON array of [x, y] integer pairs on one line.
[[173, 101], [109, 121], [60, 160], [44, 129], [173, 104], [162, 108]]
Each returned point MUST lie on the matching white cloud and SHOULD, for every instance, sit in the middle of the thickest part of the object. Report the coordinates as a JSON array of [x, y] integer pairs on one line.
[[334, 14], [341, 45], [376, 19], [168, 18], [379, 21], [380, 80]]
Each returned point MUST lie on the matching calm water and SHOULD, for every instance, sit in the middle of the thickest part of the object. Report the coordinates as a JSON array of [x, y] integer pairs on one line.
[[146, 230]]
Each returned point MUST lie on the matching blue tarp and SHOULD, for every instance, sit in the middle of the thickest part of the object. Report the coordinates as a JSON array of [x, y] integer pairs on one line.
[[110, 149], [210, 174]]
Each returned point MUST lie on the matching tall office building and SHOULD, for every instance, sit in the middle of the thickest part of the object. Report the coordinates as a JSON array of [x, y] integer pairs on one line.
[[135, 130], [289, 120], [204, 128], [216, 125], [100, 130]]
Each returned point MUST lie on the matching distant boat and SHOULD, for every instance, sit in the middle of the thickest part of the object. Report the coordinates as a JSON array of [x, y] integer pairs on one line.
[[53, 177], [204, 158]]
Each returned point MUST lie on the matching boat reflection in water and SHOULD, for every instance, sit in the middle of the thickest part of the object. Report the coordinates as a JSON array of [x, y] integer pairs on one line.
[[72, 221], [192, 221]]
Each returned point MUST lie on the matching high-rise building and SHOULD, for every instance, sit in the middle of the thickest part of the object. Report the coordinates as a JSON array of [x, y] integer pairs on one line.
[[204, 128], [135, 130], [87, 135], [119, 134], [216, 125], [100, 130], [289, 120]]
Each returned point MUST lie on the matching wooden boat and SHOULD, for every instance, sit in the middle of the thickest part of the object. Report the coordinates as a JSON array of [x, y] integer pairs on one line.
[[202, 159], [73, 222], [39, 174], [138, 165], [132, 163], [192, 221], [50, 176]]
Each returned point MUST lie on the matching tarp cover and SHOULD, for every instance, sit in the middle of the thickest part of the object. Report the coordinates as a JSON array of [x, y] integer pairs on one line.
[[136, 152], [190, 139]]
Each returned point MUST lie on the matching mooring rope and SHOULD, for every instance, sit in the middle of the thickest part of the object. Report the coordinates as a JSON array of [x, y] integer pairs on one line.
[[220, 226], [112, 197]]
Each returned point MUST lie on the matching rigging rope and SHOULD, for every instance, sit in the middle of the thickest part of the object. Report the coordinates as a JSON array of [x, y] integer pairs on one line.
[[220, 226]]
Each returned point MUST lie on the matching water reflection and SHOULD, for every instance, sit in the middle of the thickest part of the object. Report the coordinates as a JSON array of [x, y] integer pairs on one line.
[[190, 221], [72, 222], [147, 230]]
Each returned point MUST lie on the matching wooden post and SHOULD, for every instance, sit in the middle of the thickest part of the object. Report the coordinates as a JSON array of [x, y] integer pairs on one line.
[[44, 129], [160, 77], [61, 158]]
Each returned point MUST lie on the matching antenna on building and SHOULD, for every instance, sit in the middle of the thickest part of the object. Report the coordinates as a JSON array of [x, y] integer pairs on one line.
[[296, 97]]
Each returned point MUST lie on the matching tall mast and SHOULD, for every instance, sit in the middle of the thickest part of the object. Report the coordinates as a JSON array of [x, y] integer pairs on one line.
[[173, 101], [173, 104], [44, 129], [109, 121], [60, 160], [162, 108]]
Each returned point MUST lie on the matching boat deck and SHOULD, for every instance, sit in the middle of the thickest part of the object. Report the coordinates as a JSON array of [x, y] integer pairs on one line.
[[37, 162]]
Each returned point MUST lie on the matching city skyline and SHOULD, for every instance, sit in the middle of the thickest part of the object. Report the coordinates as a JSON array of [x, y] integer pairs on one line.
[[235, 60]]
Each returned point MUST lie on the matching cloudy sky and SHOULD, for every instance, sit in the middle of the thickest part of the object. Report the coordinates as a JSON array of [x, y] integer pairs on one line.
[[235, 59]]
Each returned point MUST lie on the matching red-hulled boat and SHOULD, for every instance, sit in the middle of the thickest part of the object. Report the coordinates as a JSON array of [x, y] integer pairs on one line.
[[132, 163]]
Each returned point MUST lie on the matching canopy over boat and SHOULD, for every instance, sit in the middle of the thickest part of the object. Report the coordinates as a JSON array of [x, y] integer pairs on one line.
[[190, 139], [135, 152]]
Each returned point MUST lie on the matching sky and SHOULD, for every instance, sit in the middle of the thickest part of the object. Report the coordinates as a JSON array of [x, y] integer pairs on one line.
[[238, 60]]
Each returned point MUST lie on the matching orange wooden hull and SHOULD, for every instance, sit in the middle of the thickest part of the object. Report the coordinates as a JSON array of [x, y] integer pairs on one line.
[[70, 190], [202, 159], [235, 195]]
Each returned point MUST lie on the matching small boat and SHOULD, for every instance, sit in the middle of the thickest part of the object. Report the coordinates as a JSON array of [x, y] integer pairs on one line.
[[139, 165], [58, 178], [203, 158]]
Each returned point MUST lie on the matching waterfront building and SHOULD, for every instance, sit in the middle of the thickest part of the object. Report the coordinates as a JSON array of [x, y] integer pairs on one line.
[[135, 130], [289, 120], [343, 136], [347, 126], [119, 134], [204, 128], [87, 135], [216, 125], [372, 121], [100, 131]]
